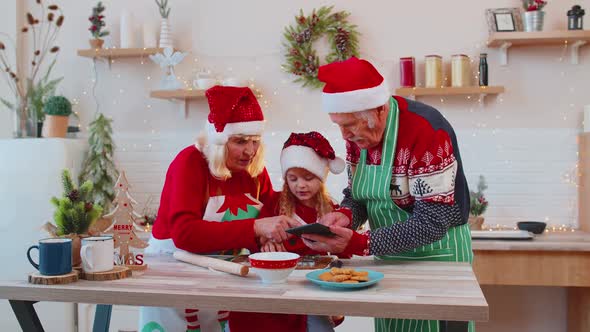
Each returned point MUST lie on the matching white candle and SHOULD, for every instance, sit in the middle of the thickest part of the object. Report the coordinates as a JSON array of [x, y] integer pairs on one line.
[[149, 35], [127, 38], [587, 119]]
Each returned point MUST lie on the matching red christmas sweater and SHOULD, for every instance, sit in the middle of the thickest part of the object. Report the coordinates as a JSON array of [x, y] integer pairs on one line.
[[188, 186], [241, 321]]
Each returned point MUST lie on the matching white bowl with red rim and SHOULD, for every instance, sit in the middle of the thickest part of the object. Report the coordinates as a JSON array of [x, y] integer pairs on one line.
[[273, 267]]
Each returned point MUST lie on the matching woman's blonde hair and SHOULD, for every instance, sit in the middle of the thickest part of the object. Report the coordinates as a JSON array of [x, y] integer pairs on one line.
[[216, 156], [323, 201]]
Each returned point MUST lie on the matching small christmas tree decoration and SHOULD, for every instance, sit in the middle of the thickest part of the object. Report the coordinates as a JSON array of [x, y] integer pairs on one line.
[[478, 204], [125, 221], [98, 167]]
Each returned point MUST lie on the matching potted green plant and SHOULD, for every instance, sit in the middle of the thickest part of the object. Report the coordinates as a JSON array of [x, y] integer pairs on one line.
[[478, 205], [74, 213], [57, 109], [96, 26]]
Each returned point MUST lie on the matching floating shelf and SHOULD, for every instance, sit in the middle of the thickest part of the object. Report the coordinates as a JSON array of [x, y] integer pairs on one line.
[[571, 38], [449, 91], [183, 95], [113, 53], [178, 94]]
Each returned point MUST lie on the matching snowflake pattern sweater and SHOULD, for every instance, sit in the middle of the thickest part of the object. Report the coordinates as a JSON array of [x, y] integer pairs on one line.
[[427, 181]]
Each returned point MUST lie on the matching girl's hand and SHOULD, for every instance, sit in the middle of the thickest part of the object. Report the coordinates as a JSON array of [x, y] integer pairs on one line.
[[271, 246]]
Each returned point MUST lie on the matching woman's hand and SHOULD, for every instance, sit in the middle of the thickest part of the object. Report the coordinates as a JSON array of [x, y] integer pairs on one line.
[[334, 219], [335, 244], [271, 246], [273, 228]]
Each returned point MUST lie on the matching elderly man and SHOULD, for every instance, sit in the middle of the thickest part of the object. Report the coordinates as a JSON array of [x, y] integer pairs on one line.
[[405, 177]]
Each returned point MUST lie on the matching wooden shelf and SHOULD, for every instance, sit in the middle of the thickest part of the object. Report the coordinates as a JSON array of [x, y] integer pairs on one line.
[[497, 39], [183, 95], [178, 94], [449, 91], [574, 39], [113, 53]]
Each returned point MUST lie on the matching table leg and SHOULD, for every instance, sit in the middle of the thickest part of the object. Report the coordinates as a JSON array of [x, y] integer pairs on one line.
[[26, 315], [453, 326], [102, 318]]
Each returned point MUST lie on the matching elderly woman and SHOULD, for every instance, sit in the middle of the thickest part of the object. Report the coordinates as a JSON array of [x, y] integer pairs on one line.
[[405, 177], [211, 199]]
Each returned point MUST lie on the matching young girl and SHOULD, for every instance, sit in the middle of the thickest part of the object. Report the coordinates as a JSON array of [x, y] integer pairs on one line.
[[306, 160]]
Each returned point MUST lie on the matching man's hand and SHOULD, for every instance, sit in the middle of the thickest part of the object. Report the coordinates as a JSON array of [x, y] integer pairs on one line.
[[334, 219], [335, 244], [273, 228]]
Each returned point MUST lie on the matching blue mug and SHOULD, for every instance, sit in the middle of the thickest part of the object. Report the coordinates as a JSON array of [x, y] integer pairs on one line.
[[55, 256]]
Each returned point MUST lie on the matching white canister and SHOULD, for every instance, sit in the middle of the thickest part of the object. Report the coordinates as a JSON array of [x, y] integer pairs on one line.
[[460, 70], [97, 254], [433, 71], [587, 119], [127, 34], [150, 35]]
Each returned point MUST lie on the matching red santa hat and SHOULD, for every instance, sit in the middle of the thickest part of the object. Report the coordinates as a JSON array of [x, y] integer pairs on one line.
[[310, 151], [232, 111], [352, 85]]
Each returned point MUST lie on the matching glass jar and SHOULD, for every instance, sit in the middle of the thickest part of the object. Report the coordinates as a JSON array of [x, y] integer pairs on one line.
[[433, 71], [407, 72], [460, 70]]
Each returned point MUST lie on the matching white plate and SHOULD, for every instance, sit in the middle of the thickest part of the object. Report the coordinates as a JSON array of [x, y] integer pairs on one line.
[[502, 235]]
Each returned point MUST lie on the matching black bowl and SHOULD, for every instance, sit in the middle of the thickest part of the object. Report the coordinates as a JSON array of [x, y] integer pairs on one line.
[[535, 227]]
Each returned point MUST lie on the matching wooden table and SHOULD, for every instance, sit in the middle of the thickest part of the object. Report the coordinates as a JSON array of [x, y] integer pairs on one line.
[[551, 259], [420, 290]]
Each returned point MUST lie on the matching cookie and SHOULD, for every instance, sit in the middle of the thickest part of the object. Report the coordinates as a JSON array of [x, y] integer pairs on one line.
[[340, 277], [360, 273], [326, 276], [360, 278]]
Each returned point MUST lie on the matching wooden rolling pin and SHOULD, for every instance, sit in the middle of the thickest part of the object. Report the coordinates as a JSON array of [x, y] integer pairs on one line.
[[213, 263]]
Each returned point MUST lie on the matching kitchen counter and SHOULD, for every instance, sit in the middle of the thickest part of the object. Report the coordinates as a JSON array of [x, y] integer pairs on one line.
[[558, 241]]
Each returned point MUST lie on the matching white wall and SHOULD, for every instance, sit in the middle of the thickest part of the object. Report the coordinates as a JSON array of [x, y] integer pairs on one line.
[[523, 141]]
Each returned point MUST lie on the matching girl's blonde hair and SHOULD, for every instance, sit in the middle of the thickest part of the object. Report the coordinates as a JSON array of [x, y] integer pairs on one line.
[[216, 156], [323, 201]]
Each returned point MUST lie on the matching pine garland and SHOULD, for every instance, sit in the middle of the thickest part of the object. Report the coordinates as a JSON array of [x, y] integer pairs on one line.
[[99, 166], [301, 57]]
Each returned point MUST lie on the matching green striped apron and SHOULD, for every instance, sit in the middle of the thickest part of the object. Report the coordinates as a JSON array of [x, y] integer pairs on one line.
[[371, 186]]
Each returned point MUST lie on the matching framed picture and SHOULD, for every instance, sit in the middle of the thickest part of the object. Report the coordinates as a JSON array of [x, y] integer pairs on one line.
[[504, 19]]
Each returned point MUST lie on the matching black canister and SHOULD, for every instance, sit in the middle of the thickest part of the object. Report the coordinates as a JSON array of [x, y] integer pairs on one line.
[[483, 69]]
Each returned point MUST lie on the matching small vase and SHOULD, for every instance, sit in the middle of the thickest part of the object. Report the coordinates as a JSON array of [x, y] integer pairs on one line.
[[533, 20], [96, 43], [25, 120], [165, 34], [475, 222]]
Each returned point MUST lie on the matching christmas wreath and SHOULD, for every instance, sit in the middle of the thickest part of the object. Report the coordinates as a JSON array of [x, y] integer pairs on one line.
[[301, 57]]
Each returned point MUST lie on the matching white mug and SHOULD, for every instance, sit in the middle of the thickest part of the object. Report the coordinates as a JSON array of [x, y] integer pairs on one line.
[[97, 254]]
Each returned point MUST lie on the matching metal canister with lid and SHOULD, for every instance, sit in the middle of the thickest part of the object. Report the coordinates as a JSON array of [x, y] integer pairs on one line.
[[460, 70], [433, 71]]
